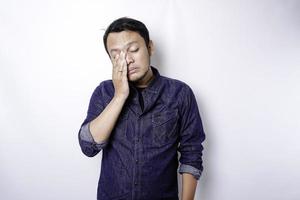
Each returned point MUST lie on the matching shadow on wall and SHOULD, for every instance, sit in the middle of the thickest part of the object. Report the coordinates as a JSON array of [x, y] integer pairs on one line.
[[157, 57]]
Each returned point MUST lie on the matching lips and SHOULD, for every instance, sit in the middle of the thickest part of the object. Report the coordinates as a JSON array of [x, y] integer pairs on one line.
[[131, 71]]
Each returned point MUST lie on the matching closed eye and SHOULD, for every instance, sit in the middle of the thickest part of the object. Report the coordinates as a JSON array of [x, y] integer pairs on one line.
[[134, 50]]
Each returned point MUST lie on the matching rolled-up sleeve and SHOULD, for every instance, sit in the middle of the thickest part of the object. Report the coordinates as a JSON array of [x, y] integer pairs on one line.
[[88, 146], [86, 136], [191, 170], [191, 135]]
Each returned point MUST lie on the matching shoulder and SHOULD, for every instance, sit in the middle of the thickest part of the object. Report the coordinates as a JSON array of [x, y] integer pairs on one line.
[[180, 90], [177, 85], [105, 88], [106, 84]]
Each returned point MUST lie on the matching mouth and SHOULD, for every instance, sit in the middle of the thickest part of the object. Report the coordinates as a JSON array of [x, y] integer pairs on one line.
[[131, 71]]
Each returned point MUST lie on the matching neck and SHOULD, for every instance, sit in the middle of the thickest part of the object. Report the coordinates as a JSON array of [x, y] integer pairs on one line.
[[144, 82]]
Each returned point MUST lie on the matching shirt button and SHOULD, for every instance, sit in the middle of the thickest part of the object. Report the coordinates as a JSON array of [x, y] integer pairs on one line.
[[135, 183], [136, 161]]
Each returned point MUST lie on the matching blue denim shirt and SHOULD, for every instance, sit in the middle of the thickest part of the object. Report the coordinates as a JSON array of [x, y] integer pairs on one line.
[[140, 159]]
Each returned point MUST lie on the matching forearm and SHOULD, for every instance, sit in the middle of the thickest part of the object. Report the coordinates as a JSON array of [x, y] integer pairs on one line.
[[189, 184], [102, 126]]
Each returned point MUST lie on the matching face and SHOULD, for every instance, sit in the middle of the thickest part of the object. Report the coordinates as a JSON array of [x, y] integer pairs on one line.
[[137, 54]]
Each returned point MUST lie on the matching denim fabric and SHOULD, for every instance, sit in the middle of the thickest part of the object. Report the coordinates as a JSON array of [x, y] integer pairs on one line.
[[140, 159], [86, 135]]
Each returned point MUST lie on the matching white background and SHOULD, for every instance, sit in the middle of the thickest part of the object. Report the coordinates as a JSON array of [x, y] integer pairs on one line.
[[241, 58]]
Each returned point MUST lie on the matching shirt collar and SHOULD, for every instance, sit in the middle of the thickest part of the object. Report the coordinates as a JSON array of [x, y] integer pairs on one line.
[[155, 83]]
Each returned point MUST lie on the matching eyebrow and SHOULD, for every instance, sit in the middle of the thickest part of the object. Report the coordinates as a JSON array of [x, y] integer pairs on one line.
[[128, 44]]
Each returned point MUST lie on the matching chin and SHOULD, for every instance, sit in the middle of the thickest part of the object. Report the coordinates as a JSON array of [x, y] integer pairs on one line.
[[134, 77]]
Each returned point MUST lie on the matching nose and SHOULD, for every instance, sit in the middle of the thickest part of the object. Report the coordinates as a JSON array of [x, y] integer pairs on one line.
[[129, 58]]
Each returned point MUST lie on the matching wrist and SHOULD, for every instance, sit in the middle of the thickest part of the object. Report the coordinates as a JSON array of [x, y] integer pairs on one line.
[[120, 98]]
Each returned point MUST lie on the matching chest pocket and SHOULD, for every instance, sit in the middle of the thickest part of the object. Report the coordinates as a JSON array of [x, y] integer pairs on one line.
[[165, 127]]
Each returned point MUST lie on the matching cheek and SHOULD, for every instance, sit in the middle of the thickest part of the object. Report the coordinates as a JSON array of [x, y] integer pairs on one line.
[[142, 57]]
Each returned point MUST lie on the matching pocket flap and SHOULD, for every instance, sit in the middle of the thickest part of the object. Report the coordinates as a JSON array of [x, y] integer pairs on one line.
[[163, 117]]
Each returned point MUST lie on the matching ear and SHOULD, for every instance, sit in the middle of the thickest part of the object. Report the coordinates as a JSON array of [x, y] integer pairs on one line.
[[151, 48]]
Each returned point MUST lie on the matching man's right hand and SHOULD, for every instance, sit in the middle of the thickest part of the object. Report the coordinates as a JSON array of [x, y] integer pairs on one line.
[[119, 75], [102, 126]]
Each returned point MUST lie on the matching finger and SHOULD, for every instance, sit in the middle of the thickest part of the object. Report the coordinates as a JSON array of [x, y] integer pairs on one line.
[[115, 60], [118, 63], [125, 65], [121, 62]]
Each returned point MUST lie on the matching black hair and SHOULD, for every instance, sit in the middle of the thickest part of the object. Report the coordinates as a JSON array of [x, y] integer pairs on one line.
[[127, 24]]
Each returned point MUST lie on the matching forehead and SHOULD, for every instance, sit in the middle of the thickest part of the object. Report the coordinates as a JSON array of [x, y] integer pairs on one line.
[[120, 39]]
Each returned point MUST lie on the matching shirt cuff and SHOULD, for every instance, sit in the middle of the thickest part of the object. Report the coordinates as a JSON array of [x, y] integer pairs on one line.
[[191, 170], [86, 135]]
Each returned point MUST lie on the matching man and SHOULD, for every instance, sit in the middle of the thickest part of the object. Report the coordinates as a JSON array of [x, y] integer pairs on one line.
[[141, 120]]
